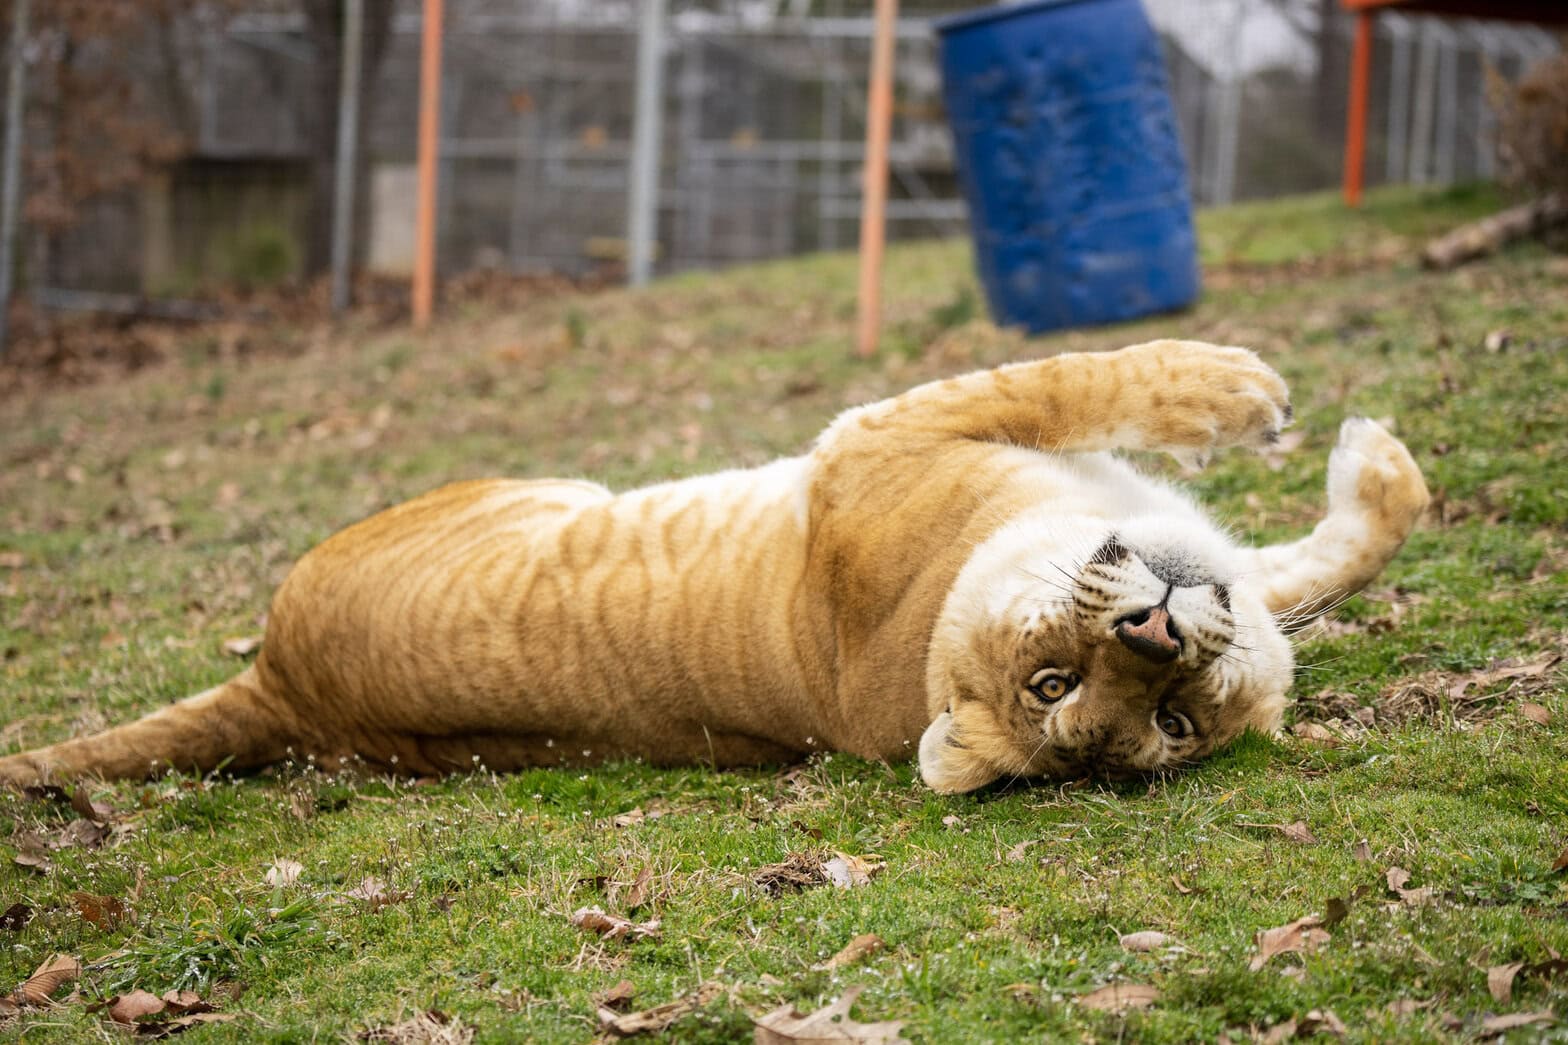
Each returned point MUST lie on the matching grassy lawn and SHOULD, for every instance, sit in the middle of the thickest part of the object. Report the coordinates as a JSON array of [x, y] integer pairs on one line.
[[144, 520]]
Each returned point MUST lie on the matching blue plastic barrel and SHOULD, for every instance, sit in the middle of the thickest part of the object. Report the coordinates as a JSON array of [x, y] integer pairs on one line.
[[1069, 157]]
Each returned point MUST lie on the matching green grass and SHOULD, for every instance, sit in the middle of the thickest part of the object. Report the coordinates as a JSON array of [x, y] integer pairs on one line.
[[153, 514]]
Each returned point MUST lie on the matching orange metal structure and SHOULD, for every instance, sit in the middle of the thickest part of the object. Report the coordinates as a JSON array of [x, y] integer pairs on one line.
[[873, 212], [1544, 12], [429, 137]]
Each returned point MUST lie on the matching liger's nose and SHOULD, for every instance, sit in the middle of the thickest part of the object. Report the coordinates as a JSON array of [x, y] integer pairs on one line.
[[1151, 634]]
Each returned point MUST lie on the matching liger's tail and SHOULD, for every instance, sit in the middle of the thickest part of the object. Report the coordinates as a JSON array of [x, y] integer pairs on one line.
[[233, 724]]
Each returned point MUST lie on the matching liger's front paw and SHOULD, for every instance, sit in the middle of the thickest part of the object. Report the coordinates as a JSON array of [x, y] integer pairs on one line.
[[1191, 398]]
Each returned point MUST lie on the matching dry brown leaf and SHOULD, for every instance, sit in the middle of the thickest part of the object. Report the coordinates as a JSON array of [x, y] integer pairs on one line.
[[1020, 852], [1536, 713], [1405, 1006], [862, 946], [616, 997], [285, 872], [1116, 997], [375, 894], [1495, 1024], [1561, 863], [1397, 877], [84, 805], [427, 1028], [1506, 670], [127, 1008], [844, 871], [1297, 832], [613, 927], [16, 917], [104, 912], [1500, 981], [169, 1028], [1313, 733], [1147, 940], [1335, 910], [33, 860], [1182, 887], [1362, 851], [785, 1025], [1303, 935], [1280, 1032], [55, 972], [242, 646], [1317, 1021], [637, 895], [660, 1017], [629, 818], [181, 1003]]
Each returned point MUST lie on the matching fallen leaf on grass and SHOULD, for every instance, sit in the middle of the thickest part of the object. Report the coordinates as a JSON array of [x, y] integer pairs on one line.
[[613, 927], [1536, 713], [1147, 940], [284, 873], [1497, 1024], [1313, 733], [1296, 832], [16, 917], [616, 997], [1506, 670], [243, 646], [1404, 1007], [660, 1017], [637, 894], [1561, 863], [1020, 852], [84, 805], [1335, 910], [1303, 935], [1500, 981], [1397, 877], [128, 1008], [1362, 851], [1319, 1020], [375, 894], [806, 870], [862, 946], [49, 977], [181, 1010], [104, 912], [1117, 997], [785, 1025], [428, 1028], [851, 872]]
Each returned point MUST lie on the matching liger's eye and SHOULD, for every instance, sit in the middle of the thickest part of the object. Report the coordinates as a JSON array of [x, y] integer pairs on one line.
[[1175, 724], [1051, 685]]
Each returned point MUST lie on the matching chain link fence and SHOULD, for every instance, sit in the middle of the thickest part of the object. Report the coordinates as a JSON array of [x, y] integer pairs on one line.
[[763, 127]]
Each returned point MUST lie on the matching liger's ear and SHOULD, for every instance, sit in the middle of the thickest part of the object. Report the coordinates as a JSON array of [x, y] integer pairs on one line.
[[948, 766]]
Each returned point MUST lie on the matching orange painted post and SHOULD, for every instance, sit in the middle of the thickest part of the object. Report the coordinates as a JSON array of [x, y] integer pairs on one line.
[[1356, 123], [873, 207], [429, 139]]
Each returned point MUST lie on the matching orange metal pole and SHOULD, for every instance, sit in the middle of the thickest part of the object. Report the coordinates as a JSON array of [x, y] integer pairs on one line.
[[1356, 121], [429, 138], [873, 208]]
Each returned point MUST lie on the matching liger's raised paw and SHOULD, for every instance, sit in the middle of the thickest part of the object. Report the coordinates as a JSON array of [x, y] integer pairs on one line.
[[1190, 398]]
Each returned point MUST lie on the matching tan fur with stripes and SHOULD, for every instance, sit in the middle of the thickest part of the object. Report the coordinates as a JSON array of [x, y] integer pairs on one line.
[[870, 593]]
